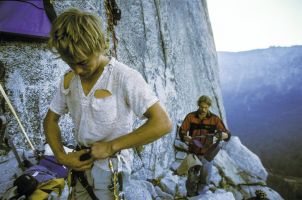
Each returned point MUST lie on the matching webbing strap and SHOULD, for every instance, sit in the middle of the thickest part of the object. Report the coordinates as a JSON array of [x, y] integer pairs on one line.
[[49, 9], [81, 177]]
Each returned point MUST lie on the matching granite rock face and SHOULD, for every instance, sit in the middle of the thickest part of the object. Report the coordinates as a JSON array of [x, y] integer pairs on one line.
[[171, 44]]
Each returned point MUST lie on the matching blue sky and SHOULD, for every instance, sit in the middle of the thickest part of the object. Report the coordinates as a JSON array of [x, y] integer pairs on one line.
[[240, 25]]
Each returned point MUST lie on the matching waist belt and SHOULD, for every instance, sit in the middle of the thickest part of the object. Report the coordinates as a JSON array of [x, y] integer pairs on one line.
[[80, 175], [117, 180]]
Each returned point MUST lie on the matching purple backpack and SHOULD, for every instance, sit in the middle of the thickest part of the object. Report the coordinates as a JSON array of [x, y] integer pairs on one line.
[[47, 169], [40, 173], [27, 18], [51, 164]]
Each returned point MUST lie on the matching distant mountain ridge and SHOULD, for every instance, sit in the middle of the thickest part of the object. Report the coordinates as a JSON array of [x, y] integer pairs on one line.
[[262, 94], [277, 67], [265, 84]]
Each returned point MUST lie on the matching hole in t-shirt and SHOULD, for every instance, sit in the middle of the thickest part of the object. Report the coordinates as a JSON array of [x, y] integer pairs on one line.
[[99, 94], [67, 79]]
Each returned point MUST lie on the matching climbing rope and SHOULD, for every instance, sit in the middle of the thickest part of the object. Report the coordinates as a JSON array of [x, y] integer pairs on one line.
[[117, 183], [16, 116], [113, 15], [113, 186]]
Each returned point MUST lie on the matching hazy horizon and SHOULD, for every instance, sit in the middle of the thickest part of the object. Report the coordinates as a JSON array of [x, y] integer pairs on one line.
[[242, 25]]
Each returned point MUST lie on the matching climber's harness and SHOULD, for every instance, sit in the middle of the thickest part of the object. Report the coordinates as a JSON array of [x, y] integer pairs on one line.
[[116, 185]]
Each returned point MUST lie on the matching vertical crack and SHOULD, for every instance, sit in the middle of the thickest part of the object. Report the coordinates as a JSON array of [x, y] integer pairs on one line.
[[163, 44], [145, 36]]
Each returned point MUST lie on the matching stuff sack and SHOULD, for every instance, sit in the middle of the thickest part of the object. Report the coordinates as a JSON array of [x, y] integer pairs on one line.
[[27, 187], [53, 187], [37, 182], [26, 184], [26, 18]]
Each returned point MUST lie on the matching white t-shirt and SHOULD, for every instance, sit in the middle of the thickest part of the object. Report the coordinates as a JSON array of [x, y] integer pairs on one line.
[[104, 119]]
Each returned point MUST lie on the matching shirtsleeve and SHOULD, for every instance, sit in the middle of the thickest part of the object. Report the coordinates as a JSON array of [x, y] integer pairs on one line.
[[58, 104], [138, 93], [221, 127], [185, 126]]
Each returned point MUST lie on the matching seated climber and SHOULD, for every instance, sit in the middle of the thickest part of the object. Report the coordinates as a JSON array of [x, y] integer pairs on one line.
[[199, 130]]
